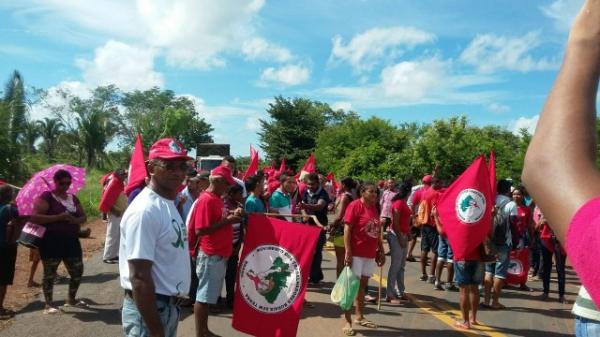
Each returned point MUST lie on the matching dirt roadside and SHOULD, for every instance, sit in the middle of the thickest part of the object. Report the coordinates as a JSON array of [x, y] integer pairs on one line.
[[19, 295]]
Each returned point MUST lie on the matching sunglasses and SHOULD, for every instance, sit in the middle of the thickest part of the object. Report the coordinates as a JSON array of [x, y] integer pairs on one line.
[[173, 165], [64, 183]]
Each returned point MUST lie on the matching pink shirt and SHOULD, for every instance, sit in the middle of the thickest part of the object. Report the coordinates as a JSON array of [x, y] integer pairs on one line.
[[583, 246], [386, 203]]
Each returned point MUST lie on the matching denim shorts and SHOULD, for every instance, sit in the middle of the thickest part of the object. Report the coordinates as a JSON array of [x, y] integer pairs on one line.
[[211, 270], [468, 273], [444, 250], [586, 327], [499, 268], [133, 324]]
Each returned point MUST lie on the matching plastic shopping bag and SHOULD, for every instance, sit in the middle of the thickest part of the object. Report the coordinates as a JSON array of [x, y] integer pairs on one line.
[[345, 290]]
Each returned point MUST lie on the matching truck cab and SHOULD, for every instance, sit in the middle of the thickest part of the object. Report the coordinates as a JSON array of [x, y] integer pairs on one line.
[[210, 155]]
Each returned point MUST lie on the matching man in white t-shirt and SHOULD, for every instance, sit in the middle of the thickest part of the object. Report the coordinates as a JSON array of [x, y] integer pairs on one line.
[[154, 263]]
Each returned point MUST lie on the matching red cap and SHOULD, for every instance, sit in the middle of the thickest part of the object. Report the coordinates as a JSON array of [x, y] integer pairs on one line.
[[224, 172], [427, 179], [168, 148]]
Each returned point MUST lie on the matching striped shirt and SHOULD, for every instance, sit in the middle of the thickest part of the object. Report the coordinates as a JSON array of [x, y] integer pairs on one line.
[[584, 307]]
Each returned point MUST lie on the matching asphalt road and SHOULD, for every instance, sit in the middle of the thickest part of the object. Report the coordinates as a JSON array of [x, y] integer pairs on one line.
[[430, 312]]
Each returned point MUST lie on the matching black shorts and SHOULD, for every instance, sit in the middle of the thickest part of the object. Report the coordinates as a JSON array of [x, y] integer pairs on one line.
[[8, 258], [415, 232], [429, 239]]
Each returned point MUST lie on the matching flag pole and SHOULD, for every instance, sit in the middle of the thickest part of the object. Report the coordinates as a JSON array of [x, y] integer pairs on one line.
[[380, 274]]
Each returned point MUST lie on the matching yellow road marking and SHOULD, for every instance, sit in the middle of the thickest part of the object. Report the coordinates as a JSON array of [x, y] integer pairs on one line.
[[444, 313]]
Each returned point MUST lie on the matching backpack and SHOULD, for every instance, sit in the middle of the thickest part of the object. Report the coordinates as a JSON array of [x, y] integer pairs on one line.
[[500, 225], [423, 214]]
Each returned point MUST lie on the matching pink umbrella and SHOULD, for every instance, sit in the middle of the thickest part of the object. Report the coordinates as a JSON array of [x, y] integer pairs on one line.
[[43, 181]]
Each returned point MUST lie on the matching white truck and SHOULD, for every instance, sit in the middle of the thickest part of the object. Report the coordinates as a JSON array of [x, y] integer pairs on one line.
[[210, 155]]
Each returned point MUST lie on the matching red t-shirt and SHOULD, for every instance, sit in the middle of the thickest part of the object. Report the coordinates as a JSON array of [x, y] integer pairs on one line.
[[207, 211], [365, 228], [431, 196], [404, 213], [418, 195], [523, 218]]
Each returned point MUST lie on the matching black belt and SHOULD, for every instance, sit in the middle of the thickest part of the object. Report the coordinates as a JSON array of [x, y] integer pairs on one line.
[[173, 300]]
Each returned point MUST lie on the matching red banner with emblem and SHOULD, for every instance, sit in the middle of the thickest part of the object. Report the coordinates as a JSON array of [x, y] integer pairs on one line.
[[465, 209], [272, 276]]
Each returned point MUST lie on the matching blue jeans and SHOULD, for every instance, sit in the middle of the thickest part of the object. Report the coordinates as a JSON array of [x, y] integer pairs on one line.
[[586, 327], [468, 273], [134, 326], [444, 251], [397, 264]]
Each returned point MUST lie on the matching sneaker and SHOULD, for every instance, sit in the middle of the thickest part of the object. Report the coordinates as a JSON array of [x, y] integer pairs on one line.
[[451, 287], [431, 279], [438, 286], [411, 259], [423, 277]]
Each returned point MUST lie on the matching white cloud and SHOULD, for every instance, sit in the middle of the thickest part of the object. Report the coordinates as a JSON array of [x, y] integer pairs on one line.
[[524, 123], [128, 67], [426, 81], [498, 108], [563, 12], [346, 106], [490, 53], [253, 123], [57, 96], [367, 49], [259, 49], [413, 81], [190, 33], [288, 75]]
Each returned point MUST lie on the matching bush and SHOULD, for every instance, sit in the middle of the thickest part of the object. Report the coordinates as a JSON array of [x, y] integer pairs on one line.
[[90, 194]]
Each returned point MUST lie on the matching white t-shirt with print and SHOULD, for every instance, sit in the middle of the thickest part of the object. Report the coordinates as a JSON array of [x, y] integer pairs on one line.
[[152, 229]]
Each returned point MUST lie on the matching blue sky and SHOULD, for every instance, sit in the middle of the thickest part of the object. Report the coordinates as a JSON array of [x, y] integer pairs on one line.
[[493, 61]]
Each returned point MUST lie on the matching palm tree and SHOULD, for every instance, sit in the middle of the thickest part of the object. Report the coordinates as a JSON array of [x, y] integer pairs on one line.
[[31, 135], [14, 97], [51, 129]]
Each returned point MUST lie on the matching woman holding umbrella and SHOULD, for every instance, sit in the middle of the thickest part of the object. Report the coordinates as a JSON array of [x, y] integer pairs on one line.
[[61, 214]]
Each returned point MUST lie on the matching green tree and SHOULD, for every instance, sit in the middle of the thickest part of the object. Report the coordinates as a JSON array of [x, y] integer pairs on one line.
[[14, 98], [293, 127], [159, 113], [51, 130], [31, 135]]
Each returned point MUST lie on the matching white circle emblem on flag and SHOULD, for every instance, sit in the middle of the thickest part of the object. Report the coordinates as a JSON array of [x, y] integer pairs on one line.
[[515, 267], [270, 279], [470, 205]]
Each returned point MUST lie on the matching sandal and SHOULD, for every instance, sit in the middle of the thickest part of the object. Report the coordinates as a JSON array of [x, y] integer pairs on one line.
[[51, 311], [348, 331], [366, 323], [77, 304], [485, 305]]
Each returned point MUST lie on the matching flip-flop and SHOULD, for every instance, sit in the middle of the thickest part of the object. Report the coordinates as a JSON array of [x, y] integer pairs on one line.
[[51, 311], [348, 331], [366, 323], [7, 312], [78, 304], [474, 322], [485, 305]]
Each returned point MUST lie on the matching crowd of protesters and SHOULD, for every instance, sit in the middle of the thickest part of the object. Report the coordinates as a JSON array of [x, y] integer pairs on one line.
[[176, 243]]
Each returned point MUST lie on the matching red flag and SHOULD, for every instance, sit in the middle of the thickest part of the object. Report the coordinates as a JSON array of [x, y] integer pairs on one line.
[[272, 276], [310, 166], [334, 184], [465, 209], [281, 167], [253, 167], [518, 267], [110, 193], [492, 169], [137, 167]]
